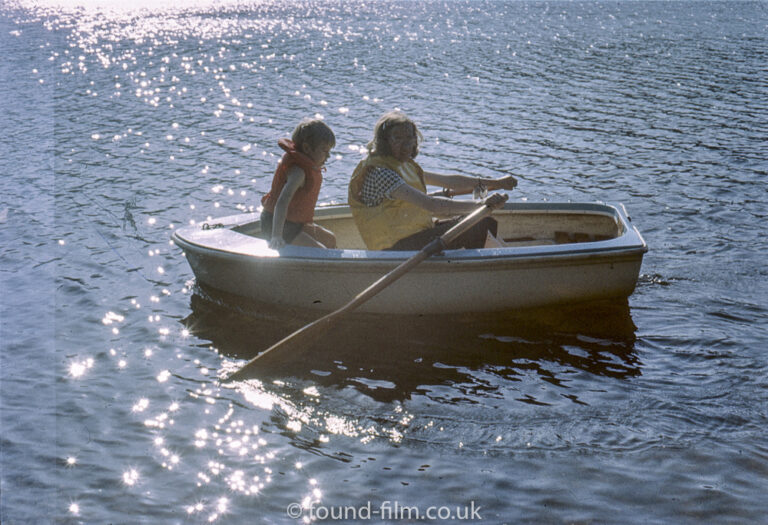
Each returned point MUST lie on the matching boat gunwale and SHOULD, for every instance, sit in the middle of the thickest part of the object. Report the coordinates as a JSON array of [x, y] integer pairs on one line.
[[629, 242]]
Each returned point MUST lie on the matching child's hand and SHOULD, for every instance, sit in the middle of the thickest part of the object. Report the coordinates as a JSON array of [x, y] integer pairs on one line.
[[505, 183], [276, 243]]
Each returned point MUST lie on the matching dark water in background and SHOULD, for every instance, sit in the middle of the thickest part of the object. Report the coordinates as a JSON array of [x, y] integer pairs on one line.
[[120, 125]]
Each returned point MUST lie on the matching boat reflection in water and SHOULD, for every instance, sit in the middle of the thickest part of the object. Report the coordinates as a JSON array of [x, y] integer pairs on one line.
[[391, 357]]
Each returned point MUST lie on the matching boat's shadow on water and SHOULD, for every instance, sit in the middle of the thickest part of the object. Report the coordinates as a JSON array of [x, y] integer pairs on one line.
[[389, 357]]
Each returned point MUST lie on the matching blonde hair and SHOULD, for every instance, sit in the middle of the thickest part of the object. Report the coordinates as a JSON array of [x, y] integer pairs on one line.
[[379, 145], [311, 133]]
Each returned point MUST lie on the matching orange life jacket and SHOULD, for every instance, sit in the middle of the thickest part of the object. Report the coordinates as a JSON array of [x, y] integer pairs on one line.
[[302, 206]]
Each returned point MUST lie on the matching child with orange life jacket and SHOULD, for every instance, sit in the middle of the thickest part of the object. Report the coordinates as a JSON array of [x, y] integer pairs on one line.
[[289, 206]]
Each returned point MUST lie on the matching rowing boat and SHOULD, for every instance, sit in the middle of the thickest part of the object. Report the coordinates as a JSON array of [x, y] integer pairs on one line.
[[551, 253]]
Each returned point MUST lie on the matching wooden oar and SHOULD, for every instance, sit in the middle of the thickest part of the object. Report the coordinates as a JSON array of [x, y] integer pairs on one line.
[[309, 333]]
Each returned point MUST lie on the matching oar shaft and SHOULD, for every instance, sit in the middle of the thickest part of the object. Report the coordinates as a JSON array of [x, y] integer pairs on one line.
[[313, 330], [473, 218], [430, 249]]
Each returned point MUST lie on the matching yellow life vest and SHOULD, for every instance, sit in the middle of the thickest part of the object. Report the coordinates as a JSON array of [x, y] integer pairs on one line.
[[383, 225]]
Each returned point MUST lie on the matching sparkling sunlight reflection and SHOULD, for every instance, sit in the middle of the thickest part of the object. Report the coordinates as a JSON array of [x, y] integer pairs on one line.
[[130, 477], [79, 368]]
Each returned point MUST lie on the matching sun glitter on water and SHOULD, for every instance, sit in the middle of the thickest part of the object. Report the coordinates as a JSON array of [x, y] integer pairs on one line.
[[135, 5]]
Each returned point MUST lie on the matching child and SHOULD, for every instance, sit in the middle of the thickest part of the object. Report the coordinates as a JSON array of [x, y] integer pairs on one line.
[[289, 206]]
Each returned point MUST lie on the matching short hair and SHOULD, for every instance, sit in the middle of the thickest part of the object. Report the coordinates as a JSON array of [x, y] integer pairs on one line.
[[379, 145], [312, 132]]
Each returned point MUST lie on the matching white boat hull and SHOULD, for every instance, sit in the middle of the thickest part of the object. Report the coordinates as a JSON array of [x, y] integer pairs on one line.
[[527, 274]]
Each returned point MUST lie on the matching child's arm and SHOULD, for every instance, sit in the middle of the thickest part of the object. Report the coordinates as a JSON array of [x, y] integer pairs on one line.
[[294, 181], [465, 183]]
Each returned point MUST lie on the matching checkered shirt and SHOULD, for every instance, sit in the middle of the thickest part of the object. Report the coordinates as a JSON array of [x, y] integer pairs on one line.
[[378, 185]]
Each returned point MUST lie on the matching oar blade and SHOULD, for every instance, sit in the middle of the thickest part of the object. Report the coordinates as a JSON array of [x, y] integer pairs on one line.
[[299, 341]]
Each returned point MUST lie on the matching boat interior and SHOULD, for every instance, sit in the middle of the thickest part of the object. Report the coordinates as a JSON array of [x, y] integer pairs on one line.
[[516, 228]]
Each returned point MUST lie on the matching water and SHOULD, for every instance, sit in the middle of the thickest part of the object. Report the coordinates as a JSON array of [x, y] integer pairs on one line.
[[121, 125]]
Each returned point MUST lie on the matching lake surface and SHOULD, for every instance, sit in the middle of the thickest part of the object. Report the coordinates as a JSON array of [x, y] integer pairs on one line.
[[120, 125]]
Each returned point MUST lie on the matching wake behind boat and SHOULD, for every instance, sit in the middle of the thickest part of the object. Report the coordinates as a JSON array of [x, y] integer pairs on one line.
[[553, 253]]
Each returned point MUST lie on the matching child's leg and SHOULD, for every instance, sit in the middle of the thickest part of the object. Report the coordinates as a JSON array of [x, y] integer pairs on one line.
[[320, 234]]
